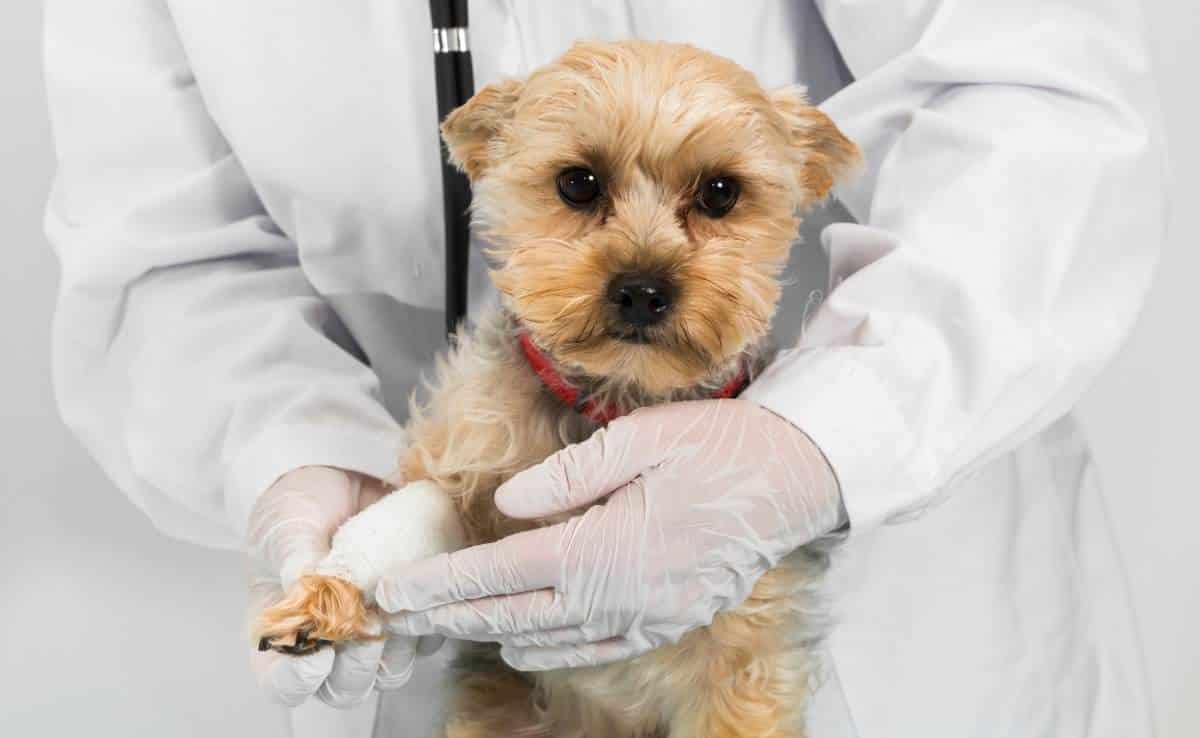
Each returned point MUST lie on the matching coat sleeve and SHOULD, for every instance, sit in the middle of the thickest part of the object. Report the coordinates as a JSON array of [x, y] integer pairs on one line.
[[1009, 218], [191, 355]]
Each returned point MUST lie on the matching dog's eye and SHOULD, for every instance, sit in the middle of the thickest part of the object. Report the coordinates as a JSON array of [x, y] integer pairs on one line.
[[717, 196], [578, 187]]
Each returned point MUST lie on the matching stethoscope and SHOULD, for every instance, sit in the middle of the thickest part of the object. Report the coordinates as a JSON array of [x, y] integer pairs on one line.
[[455, 85]]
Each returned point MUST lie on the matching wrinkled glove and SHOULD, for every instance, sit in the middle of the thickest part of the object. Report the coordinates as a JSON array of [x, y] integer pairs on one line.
[[290, 531], [703, 498]]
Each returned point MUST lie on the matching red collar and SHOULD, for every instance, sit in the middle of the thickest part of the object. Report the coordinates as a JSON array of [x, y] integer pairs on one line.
[[571, 395]]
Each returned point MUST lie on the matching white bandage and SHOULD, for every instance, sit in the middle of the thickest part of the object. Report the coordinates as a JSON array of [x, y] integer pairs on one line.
[[415, 522]]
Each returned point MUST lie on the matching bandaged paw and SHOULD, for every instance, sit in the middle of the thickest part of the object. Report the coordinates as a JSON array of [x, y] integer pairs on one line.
[[334, 602]]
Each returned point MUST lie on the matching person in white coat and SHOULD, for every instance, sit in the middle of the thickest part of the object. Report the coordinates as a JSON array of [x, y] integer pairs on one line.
[[248, 217]]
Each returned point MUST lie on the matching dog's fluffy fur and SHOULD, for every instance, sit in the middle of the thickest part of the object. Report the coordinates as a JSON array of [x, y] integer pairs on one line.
[[653, 120]]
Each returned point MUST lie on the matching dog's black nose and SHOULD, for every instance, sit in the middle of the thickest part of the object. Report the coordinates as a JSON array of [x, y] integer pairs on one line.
[[640, 301]]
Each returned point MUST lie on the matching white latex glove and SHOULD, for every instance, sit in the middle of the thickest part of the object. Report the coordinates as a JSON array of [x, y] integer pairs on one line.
[[290, 531], [703, 498]]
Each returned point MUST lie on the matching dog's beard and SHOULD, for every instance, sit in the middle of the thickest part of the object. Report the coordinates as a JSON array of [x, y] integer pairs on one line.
[[557, 289]]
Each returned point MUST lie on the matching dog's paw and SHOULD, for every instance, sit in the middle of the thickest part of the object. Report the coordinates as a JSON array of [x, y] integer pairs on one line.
[[318, 611]]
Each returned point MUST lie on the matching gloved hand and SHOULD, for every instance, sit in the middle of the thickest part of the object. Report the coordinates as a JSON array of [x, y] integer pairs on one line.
[[703, 498], [290, 530]]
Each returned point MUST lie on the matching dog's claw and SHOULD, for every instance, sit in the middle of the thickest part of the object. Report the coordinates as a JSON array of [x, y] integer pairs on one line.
[[303, 645]]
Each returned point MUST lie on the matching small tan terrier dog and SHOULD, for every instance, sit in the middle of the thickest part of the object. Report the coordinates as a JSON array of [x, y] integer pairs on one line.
[[640, 199]]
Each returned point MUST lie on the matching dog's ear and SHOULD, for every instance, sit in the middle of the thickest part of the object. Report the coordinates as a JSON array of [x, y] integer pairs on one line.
[[824, 153], [471, 128]]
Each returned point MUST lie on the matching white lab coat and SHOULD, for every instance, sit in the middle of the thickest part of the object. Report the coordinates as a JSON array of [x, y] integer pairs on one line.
[[248, 215]]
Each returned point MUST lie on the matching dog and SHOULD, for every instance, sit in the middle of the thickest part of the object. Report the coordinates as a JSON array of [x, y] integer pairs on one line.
[[640, 200]]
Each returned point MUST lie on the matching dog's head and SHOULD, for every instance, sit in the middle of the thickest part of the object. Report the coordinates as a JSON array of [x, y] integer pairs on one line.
[[641, 199]]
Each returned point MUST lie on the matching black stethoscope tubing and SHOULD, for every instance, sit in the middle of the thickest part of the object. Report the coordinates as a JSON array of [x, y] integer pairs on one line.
[[455, 84]]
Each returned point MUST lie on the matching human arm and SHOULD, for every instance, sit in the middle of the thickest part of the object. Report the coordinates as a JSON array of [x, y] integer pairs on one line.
[[1012, 209], [191, 354]]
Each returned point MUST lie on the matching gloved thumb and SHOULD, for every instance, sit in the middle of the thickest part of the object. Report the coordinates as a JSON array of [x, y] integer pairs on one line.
[[298, 564], [293, 521], [582, 473]]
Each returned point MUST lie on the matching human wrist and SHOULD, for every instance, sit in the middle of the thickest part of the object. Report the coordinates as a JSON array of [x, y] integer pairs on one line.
[[282, 452], [822, 492]]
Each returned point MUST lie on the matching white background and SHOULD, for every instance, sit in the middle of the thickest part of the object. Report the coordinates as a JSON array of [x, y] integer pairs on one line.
[[109, 628]]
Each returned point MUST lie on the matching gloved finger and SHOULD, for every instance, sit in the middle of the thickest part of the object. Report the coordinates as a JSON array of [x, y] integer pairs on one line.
[[289, 680], [521, 562], [264, 591], [583, 472], [396, 663], [427, 645], [352, 677], [371, 490], [571, 657], [484, 619], [292, 523], [572, 636]]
